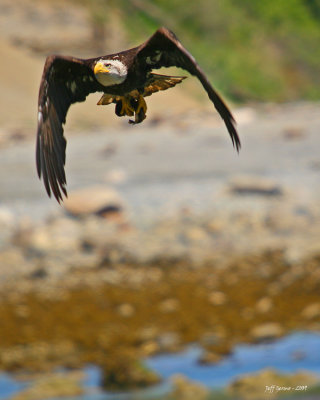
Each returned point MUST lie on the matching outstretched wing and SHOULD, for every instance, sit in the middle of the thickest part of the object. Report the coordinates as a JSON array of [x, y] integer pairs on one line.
[[158, 82], [163, 49], [65, 80]]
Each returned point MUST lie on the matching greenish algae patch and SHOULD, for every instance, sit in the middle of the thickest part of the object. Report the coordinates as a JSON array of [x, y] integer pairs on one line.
[[253, 299]]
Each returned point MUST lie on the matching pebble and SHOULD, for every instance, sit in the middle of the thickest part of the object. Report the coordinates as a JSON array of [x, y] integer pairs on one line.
[[169, 341], [196, 234], [311, 311], [126, 310], [185, 389], [264, 305], [210, 357], [169, 305], [55, 385], [267, 331], [294, 133], [217, 298]]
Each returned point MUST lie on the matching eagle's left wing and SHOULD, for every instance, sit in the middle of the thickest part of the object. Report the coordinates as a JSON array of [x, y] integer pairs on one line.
[[163, 49], [158, 82], [65, 80]]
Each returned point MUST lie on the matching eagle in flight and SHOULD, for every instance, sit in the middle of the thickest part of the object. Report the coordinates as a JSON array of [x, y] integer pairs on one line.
[[124, 78]]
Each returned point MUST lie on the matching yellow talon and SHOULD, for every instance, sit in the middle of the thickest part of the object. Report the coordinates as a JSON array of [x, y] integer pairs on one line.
[[141, 105], [132, 104], [126, 108], [140, 110]]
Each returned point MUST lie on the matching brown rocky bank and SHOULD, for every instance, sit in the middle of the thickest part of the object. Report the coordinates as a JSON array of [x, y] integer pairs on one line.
[[146, 309]]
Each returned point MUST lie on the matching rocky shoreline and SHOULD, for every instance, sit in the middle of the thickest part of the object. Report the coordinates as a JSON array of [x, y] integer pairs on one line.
[[120, 278], [160, 255], [114, 315]]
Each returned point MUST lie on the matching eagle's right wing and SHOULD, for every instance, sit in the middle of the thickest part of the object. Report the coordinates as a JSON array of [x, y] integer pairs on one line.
[[65, 80]]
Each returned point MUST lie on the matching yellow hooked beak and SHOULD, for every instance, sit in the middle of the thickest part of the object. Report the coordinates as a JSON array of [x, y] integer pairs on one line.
[[100, 68]]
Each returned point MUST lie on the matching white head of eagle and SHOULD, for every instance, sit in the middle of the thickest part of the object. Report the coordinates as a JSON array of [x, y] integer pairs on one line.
[[110, 72]]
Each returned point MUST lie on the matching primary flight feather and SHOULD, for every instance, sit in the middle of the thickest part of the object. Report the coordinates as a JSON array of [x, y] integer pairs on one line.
[[124, 78]]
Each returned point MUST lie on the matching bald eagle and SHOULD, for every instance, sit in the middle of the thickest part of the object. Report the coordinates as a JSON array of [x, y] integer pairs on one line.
[[124, 78]]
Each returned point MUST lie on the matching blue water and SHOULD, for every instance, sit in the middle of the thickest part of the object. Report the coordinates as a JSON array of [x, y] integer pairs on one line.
[[298, 351], [281, 355], [9, 386]]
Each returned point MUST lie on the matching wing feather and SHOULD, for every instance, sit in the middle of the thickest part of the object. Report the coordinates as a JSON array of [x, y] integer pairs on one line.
[[163, 49], [65, 80], [158, 82]]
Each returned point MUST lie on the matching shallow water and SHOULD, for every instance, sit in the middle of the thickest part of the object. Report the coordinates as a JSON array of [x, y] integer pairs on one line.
[[298, 351], [294, 352]]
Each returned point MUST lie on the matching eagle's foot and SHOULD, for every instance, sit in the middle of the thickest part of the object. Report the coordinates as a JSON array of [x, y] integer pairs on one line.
[[140, 110], [124, 107]]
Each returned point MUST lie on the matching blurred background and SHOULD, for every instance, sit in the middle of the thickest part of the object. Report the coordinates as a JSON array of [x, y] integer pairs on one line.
[[176, 269]]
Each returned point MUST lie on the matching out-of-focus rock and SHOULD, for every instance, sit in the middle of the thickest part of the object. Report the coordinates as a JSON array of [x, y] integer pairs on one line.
[[61, 234], [116, 176], [217, 298], [267, 331], [311, 311], [169, 305], [53, 385], [255, 185], [245, 115], [195, 234], [264, 305], [216, 226], [123, 371], [210, 357], [126, 310], [149, 348], [14, 263], [98, 200], [7, 222], [109, 150], [169, 341], [6, 217], [185, 389], [268, 384], [294, 133]]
